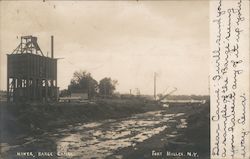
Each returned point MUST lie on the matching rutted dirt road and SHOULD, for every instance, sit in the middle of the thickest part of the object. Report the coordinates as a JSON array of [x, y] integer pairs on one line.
[[126, 137], [102, 139]]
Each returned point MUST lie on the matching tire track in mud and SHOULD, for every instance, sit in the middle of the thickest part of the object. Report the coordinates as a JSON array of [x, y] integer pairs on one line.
[[104, 138]]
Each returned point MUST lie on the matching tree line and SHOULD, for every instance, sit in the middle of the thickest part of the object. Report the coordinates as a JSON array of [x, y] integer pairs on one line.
[[84, 82]]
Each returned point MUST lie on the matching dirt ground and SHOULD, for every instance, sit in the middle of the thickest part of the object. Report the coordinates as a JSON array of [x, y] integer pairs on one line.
[[194, 138], [29, 127]]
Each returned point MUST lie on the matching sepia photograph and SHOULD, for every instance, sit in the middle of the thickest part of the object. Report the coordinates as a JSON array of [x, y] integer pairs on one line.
[[104, 79]]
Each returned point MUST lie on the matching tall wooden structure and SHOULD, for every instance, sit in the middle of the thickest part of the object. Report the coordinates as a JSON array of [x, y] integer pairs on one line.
[[31, 76]]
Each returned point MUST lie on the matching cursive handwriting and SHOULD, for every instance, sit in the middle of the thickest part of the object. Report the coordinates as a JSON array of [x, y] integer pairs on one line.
[[242, 119], [229, 110], [243, 142], [217, 116], [216, 149]]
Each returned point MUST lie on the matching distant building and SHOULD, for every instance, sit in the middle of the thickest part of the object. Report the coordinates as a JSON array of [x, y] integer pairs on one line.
[[76, 95], [81, 95]]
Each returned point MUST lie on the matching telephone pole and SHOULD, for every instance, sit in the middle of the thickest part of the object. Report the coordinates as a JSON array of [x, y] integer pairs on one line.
[[155, 85]]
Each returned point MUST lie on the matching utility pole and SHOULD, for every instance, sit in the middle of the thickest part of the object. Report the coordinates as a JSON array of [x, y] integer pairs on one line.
[[155, 85]]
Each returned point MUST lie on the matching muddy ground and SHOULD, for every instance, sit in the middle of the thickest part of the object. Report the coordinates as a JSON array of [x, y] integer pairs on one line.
[[105, 129]]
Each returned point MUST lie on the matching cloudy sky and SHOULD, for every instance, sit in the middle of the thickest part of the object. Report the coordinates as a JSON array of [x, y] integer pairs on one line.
[[125, 40]]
